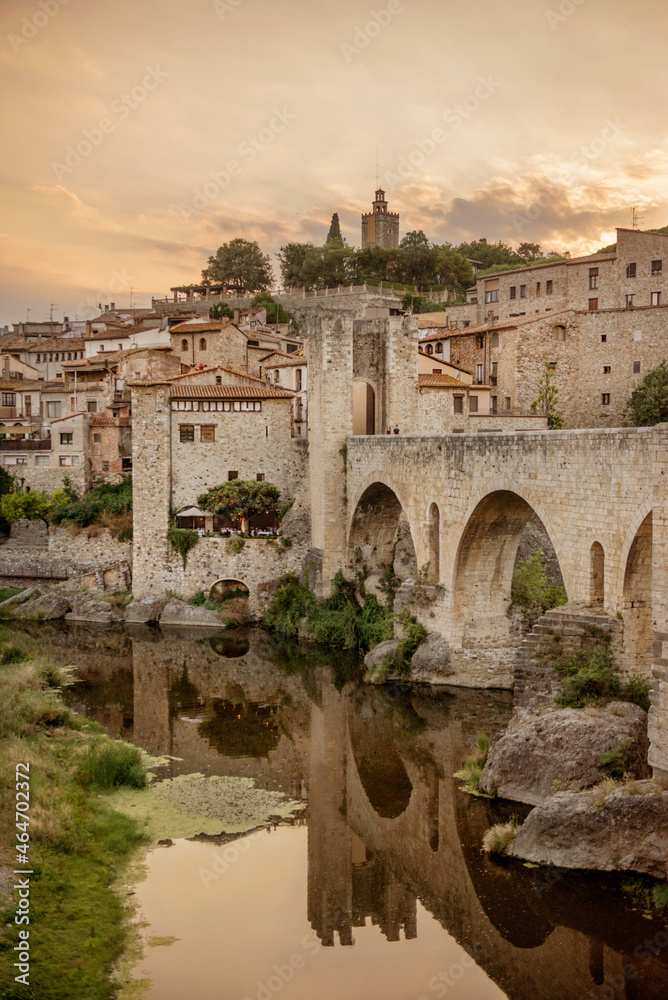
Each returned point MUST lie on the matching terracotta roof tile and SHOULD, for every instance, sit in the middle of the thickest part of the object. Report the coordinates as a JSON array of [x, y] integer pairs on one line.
[[441, 382], [229, 392]]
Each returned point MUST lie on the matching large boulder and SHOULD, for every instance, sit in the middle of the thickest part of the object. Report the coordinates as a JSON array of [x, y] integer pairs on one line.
[[431, 661], [376, 661], [146, 611], [44, 608], [180, 613], [562, 750], [96, 612], [627, 830]]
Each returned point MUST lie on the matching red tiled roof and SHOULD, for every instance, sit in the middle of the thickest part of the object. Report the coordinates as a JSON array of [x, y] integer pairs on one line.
[[229, 392], [441, 382]]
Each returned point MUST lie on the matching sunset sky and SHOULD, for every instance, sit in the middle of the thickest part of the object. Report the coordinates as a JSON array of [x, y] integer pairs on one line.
[[531, 119]]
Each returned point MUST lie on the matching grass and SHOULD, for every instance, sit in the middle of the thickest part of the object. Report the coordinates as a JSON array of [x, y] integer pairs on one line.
[[7, 592], [78, 847], [613, 762], [201, 600], [499, 837], [474, 765]]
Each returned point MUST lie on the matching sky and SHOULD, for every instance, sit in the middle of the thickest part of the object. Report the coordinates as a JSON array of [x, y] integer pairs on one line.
[[142, 134]]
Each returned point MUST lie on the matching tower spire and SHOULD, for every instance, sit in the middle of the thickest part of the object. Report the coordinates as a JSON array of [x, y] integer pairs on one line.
[[377, 171]]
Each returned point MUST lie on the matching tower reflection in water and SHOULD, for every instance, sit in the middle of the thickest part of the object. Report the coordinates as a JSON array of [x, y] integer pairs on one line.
[[387, 825]]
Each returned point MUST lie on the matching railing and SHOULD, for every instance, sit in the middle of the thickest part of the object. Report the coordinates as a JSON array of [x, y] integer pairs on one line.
[[25, 444]]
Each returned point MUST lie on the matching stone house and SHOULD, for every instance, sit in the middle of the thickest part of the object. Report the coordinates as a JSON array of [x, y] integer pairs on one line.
[[45, 356], [290, 374]]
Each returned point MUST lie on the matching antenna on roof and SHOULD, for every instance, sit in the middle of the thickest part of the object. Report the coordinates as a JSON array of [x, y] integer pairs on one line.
[[636, 217], [377, 171]]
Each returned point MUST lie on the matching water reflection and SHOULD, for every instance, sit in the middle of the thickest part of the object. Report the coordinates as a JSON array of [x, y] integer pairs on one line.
[[388, 832]]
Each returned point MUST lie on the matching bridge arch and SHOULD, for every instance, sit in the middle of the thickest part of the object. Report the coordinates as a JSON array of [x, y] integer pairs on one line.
[[637, 601], [483, 568], [380, 533]]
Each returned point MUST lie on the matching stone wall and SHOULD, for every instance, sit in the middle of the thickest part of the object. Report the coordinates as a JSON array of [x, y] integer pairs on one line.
[[90, 558]]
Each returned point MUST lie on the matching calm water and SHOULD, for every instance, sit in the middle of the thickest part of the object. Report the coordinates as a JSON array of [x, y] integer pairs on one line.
[[383, 892]]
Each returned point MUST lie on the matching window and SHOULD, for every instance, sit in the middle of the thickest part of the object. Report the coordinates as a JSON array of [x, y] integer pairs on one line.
[[607, 369], [53, 410], [656, 299], [559, 333], [467, 322], [629, 301], [41, 459], [219, 380], [277, 375], [637, 334], [494, 404], [202, 344], [480, 341], [495, 340], [478, 374], [260, 477], [439, 349], [39, 359], [97, 438], [27, 402], [105, 466], [69, 460], [593, 305], [605, 399], [430, 349], [630, 270], [458, 404], [508, 402], [67, 438], [548, 287], [119, 347], [636, 367], [184, 345], [207, 433], [538, 288], [126, 465], [186, 433], [593, 277], [437, 371], [244, 405], [492, 296], [604, 338], [523, 291], [91, 405], [232, 475], [9, 399], [657, 267], [473, 404]]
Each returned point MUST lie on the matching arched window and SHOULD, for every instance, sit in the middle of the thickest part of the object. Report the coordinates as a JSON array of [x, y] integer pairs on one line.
[[434, 536], [430, 349], [184, 345], [559, 333], [277, 375], [439, 348], [202, 344], [596, 574], [219, 380], [298, 382]]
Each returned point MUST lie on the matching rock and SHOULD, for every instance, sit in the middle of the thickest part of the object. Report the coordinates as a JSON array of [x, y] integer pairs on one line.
[[564, 749], [96, 612], [147, 610], [431, 661], [624, 831], [180, 613], [45, 608], [375, 660]]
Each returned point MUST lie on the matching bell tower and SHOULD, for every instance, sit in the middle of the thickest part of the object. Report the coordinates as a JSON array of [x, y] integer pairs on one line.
[[380, 227]]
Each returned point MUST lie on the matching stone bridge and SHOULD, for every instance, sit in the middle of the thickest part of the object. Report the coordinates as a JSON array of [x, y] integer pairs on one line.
[[461, 503]]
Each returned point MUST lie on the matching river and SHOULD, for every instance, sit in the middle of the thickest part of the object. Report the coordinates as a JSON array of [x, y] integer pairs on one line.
[[377, 887]]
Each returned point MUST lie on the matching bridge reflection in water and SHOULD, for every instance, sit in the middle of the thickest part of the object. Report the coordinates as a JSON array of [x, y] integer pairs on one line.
[[387, 826]]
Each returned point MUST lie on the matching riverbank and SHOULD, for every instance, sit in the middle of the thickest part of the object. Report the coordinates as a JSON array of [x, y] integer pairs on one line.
[[78, 847]]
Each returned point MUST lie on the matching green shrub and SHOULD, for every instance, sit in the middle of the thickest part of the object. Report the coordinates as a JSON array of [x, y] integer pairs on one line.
[[107, 500], [182, 540], [235, 544], [530, 589], [198, 599], [637, 691], [613, 762], [13, 654], [109, 764], [588, 678]]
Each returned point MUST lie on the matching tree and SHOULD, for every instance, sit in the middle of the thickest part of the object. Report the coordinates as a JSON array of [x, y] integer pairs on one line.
[[241, 499], [275, 311], [221, 310], [417, 260], [36, 505], [240, 265], [452, 269], [291, 260], [488, 254], [334, 234], [648, 403], [546, 401], [530, 251]]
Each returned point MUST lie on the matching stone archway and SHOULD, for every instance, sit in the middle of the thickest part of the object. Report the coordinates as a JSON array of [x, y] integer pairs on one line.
[[364, 408], [484, 571], [380, 535], [637, 603], [596, 575]]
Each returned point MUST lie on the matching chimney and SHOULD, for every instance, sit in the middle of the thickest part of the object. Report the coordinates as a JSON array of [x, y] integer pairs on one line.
[[236, 317], [106, 308]]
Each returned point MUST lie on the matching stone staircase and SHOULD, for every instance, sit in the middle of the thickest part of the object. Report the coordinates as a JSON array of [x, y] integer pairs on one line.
[[537, 684]]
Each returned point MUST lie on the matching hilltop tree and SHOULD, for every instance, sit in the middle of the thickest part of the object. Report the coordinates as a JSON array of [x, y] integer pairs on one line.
[[240, 265], [530, 251], [546, 401], [334, 234], [221, 310], [241, 499], [291, 260], [489, 254], [275, 311], [648, 403]]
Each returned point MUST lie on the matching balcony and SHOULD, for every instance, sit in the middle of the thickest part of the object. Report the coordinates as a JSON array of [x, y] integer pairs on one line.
[[26, 444]]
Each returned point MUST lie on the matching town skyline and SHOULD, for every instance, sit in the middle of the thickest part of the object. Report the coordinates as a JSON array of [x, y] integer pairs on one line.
[[142, 139]]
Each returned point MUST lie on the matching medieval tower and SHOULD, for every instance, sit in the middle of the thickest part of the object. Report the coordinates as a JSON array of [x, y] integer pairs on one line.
[[380, 228]]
